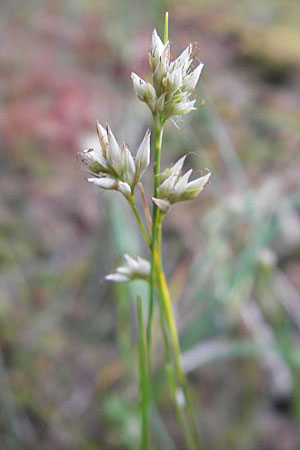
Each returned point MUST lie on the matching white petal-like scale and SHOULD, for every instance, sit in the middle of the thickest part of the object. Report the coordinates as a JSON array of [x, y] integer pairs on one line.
[[162, 204], [142, 158], [181, 184], [160, 103], [117, 277], [103, 183], [144, 266], [123, 271], [143, 89], [128, 166], [194, 188], [102, 134], [139, 85], [91, 156], [124, 188], [114, 153], [199, 182], [191, 80], [176, 168], [185, 56], [131, 262], [166, 188], [165, 58], [157, 46], [183, 107]]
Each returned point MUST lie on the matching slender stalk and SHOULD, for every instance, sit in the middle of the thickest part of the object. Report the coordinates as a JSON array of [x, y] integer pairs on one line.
[[139, 220], [146, 209], [179, 411], [173, 385], [158, 144], [176, 376], [144, 379], [192, 442]]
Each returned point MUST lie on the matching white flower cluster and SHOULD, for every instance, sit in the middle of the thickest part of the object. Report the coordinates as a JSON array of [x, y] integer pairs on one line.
[[134, 269], [113, 166], [173, 82], [175, 187]]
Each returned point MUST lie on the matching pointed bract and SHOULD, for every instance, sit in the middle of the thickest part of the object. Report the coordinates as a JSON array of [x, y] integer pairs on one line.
[[102, 134], [94, 160], [175, 169], [183, 107], [194, 187], [103, 183], [181, 184], [191, 80], [174, 187], [128, 165], [163, 205], [157, 46], [117, 277], [166, 188], [142, 158], [185, 57], [144, 90], [114, 153], [124, 188]]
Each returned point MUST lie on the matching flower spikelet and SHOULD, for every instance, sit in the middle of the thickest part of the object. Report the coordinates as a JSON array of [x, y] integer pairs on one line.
[[173, 81], [113, 167], [134, 269], [174, 186]]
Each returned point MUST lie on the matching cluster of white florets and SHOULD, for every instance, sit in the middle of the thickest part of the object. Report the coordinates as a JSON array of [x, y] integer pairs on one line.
[[113, 167], [134, 269], [175, 187], [173, 82]]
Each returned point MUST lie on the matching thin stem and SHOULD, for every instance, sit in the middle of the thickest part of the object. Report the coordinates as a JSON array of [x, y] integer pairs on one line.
[[193, 443], [146, 209], [144, 379], [167, 317], [172, 382], [158, 143], [179, 410], [139, 220]]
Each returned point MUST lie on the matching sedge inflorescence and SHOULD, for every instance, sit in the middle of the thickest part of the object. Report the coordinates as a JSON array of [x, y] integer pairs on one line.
[[173, 82], [113, 167]]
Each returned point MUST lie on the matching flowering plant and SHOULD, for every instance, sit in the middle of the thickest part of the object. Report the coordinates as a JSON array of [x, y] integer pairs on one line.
[[112, 167]]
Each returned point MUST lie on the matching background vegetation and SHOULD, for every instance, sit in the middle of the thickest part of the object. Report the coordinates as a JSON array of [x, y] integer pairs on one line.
[[68, 370]]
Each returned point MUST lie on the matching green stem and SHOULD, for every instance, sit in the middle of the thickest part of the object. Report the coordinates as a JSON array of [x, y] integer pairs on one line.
[[139, 220], [167, 316], [158, 143], [144, 379], [192, 439]]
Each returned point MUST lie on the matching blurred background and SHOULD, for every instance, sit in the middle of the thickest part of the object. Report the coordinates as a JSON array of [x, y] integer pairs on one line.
[[68, 339]]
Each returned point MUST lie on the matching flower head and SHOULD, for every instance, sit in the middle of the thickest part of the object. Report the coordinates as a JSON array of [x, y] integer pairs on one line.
[[173, 81], [174, 186], [134, 269], [114, 167]]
